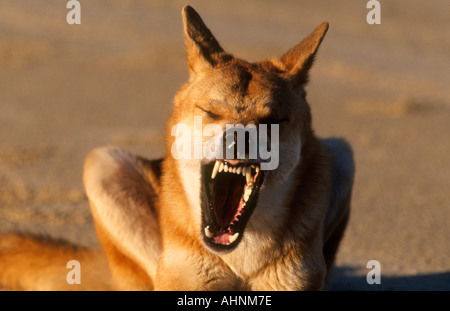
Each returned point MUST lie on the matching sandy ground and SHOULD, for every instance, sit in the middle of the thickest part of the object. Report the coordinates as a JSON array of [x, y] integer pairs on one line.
[[66, 89]]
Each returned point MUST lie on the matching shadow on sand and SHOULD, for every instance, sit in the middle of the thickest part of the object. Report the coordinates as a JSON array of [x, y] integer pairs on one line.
[[345, 278]]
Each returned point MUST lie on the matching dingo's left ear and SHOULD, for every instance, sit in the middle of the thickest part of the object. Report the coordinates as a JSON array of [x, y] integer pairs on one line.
[[202, 49], [299, 60]]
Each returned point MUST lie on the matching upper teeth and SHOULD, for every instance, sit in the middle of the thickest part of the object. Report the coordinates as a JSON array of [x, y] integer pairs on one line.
[[215, 169], [246, 171]]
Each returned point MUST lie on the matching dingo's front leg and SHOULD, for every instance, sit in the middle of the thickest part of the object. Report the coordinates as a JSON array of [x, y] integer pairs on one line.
[[123, 192]]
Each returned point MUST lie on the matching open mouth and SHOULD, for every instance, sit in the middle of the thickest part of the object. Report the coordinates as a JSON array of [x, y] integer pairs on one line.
[[230, 191]]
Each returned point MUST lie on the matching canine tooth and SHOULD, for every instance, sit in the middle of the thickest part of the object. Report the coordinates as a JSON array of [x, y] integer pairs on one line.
[[221, 167], [225, 168], [243, 171], [247, 193], [239, 169], [215, 169], [234, 237], [257, 169], [248, 175], [208, 233]]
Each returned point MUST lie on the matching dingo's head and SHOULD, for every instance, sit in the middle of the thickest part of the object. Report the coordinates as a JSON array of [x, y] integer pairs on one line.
[[266, 100]]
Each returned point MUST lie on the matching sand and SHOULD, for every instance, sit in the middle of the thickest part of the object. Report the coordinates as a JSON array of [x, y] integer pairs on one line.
[[66, 89]]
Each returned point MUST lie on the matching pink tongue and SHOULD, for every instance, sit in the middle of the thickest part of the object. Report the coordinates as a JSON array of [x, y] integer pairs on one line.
[[224, 238]]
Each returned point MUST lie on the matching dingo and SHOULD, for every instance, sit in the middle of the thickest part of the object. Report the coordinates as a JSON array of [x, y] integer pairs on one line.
[[198, 223]]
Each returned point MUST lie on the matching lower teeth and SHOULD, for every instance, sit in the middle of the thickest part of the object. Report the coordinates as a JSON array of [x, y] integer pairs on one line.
[[208, 232], [234, 237], [231, 239]]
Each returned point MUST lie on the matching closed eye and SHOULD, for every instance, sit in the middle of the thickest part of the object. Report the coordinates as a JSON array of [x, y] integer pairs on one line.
[[210, 114]]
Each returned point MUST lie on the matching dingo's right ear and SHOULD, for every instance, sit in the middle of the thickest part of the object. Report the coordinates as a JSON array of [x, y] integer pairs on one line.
[[202, 49]]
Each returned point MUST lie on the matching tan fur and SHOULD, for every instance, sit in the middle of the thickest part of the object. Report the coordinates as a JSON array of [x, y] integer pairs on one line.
[[30, 263], [147, 213]]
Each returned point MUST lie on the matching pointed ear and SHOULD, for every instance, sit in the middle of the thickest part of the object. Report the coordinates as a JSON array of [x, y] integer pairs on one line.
[[299, 60], [202, 49]]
